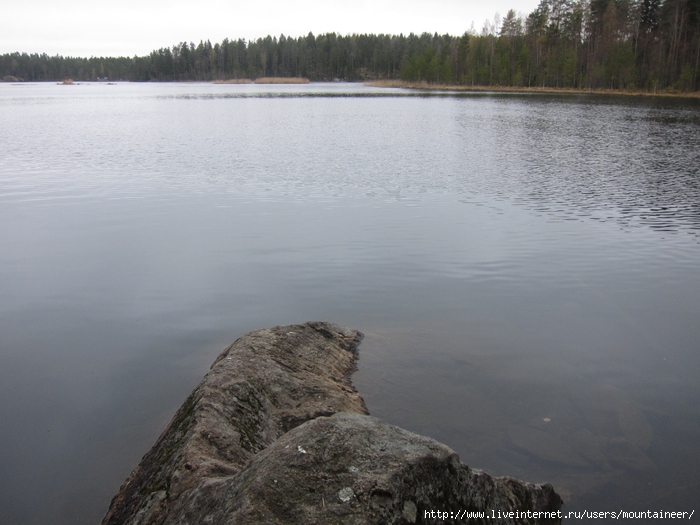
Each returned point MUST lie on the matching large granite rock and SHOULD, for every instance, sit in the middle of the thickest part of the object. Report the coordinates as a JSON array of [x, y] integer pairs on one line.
[[276, 434]]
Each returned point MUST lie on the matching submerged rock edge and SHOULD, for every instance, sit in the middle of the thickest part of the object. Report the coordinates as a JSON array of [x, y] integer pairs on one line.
[[276, 427]]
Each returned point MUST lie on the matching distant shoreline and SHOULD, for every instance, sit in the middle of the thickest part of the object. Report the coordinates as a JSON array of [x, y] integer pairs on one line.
[[264, 80], [510, 89], [425, 86]]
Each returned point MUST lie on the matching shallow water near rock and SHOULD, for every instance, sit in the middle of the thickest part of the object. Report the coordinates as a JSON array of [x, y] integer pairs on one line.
[[524, 267]]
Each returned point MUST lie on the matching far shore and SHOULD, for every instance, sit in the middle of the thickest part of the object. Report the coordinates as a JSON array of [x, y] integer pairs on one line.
[[264, 80], [412, 85], [524, 89]]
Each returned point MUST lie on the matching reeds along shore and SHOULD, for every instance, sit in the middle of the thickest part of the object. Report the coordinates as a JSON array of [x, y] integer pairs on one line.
[[264, 80], [525, 89], [282, 80], [233, 81]]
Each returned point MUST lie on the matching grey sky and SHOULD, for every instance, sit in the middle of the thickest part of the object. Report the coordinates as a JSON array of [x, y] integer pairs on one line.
[[136, 27]]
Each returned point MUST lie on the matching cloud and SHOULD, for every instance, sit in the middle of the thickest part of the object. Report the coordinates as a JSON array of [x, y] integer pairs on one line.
[[82, 28]]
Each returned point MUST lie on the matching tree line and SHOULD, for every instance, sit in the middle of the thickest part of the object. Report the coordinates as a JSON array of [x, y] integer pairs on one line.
[[647, 45]]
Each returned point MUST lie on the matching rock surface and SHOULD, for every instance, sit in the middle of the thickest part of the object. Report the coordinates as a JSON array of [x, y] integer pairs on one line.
[[275, 433]]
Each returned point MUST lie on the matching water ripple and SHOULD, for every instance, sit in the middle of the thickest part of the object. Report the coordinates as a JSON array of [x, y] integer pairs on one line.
[[632, 161]]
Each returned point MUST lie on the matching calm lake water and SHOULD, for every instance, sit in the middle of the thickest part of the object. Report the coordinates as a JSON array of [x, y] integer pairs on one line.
[[526, 269]]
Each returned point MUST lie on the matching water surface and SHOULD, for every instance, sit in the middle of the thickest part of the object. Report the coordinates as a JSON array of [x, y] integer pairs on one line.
[[525, 268]]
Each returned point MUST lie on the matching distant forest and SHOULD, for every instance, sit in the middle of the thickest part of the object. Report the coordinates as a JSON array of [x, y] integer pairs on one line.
[[649, 45]]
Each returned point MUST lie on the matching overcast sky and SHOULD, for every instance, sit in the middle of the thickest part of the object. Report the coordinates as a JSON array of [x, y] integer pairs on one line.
[[136, 27]]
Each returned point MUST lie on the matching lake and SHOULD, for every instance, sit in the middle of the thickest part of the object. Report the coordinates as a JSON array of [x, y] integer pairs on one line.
[[526, 269]]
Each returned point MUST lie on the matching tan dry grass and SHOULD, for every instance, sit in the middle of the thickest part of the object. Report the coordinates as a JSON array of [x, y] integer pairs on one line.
[[510, 89], [233, 81], [281, 80]]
